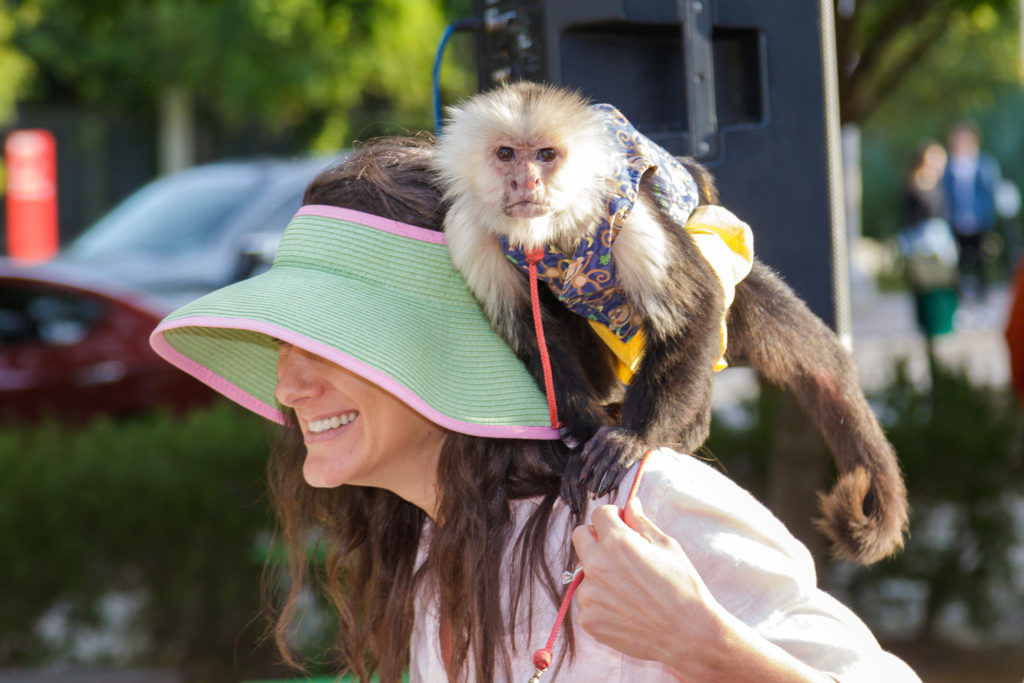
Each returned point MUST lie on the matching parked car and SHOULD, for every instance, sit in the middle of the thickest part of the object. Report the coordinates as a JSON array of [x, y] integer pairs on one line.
[[192, 232], [74, 332], [73, 348]]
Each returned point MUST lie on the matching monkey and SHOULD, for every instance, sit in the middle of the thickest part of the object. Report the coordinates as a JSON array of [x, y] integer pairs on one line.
[[535, 171]]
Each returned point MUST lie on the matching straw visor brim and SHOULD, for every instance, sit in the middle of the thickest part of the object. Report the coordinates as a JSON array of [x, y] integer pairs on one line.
[[376, 297]]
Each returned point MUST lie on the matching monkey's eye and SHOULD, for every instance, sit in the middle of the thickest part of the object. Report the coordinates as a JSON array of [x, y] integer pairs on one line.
[[505, 154], [547, 154]]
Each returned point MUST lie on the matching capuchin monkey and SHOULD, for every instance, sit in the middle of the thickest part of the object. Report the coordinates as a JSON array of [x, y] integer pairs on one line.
[[529, 166]]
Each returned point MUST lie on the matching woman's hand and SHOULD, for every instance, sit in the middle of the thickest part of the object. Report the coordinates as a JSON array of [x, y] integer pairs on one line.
[[642, 596]]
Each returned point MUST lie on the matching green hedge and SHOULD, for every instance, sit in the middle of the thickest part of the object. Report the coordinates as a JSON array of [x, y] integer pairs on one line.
[[169, 508], [960, 445]]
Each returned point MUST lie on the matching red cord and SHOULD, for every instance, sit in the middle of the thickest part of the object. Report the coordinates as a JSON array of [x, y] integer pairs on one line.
[[533, 256], [542, 658]]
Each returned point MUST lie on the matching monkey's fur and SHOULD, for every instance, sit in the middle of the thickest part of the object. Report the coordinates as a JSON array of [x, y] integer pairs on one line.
[[535, 198]]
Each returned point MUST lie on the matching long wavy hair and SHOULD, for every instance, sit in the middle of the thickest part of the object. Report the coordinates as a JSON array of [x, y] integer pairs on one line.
[[368, 539]]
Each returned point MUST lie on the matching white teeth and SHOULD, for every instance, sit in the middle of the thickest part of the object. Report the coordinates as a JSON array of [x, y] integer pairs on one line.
[[317, 426]]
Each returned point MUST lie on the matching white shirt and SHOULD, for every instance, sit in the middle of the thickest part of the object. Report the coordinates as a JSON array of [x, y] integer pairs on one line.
[[749, 561]]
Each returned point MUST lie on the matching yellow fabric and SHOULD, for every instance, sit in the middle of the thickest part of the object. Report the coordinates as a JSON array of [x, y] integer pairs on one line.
[[627, 354], [727, 243]]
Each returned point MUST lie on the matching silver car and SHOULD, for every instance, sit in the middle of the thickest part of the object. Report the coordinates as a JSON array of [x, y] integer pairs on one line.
[[189, 233]]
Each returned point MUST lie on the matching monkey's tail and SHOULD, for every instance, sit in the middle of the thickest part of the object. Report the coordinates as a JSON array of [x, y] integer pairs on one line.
[[771, 329]]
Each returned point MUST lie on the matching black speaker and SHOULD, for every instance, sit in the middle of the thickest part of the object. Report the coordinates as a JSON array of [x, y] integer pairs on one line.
[[746, 86]]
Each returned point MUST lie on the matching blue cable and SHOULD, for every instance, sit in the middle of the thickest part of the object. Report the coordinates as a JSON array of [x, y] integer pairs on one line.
[[460, 25]]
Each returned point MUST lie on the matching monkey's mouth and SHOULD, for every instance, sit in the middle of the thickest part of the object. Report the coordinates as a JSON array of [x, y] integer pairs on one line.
[[525, 209]]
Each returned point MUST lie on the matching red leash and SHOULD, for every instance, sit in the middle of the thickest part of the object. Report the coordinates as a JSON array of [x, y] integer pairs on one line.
[[533, 257], [542, 658]]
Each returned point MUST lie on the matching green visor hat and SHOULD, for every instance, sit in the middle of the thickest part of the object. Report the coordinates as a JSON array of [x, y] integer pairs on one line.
[[377, 297]]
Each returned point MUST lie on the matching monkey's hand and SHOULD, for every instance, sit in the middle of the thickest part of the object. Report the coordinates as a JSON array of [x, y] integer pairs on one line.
[[607, 456], [574, 491]]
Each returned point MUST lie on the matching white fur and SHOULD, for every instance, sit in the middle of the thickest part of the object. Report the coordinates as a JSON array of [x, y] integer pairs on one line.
[[526, 115], [478, 255], [518, 115], [642, 254]]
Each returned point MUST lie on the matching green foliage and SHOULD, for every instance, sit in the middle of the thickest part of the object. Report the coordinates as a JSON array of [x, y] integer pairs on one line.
[[972, 72], [331, 70], [169, 508], [960, 449], [946, 52], [16, 68], [956, 440], [975, 58]]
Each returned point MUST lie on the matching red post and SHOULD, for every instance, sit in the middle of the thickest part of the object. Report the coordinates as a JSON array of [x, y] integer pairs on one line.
[[31, 157]]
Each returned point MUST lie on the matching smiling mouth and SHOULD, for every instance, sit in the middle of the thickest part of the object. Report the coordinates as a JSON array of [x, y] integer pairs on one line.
[[329, 423]]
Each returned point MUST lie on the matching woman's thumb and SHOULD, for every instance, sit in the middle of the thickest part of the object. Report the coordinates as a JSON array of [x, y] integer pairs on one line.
[[634, 517]]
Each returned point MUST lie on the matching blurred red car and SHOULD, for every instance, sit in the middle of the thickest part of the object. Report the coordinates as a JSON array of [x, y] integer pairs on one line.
[[74, 333], [74, 347]]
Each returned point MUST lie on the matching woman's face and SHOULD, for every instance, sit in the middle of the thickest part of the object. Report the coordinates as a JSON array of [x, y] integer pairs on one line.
[[357, 433]]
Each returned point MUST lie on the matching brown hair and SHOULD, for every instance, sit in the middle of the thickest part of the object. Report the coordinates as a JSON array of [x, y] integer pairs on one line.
[[370, 538]]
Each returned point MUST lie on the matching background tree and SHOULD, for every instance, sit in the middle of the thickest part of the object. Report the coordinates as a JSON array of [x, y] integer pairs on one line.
[[133, 88], [15, 66], [909, 69], [321, 72], [886, 47]]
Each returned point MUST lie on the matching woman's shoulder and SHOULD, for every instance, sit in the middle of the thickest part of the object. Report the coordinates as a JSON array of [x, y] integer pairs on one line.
[[669, 474], [710, 514]]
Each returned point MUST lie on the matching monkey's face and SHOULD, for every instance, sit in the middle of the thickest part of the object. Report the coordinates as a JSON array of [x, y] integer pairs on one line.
[[525, 161], [528, 172]]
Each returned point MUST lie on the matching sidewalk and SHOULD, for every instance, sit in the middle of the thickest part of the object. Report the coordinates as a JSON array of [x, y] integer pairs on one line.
[[884, 331]]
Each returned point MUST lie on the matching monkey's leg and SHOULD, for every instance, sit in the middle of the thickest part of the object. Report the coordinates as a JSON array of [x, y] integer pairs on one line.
[[865, 514]]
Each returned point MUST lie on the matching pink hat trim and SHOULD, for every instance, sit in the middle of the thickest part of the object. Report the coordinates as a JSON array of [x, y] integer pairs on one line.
[[372, 221], [247, 400]]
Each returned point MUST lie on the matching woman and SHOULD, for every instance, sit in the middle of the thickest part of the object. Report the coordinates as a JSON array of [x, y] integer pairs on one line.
[[419, 451], [927, 243]]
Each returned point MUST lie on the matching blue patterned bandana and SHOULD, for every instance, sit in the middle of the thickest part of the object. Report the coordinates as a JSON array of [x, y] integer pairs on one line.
[[586, 280]]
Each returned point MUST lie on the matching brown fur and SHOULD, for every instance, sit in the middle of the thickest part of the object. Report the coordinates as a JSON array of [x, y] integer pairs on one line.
[[680, 300]]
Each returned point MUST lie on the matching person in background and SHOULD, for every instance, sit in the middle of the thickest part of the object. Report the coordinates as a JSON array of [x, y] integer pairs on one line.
[[418, 453], [970, 182], [923, 194], [927, 243]]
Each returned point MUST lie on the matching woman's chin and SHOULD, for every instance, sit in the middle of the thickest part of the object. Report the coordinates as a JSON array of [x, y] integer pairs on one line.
[[323, 471]]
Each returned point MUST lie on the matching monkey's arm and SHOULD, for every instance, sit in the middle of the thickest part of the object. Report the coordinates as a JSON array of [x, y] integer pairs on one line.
[[668, 402], [581, 367]]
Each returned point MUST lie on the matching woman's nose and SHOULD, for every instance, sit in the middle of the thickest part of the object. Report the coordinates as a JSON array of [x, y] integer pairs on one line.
[[296, 376]]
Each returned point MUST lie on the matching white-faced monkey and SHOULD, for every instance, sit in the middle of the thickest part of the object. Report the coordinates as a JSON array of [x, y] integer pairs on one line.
[[534, 172]]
